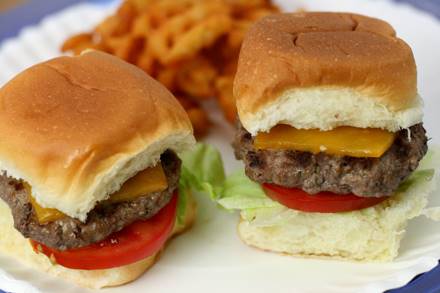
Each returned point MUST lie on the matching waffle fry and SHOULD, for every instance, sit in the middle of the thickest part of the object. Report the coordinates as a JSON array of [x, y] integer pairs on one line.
[[199, 120], [190, 46], [78, 43], [167, 76], [184, 35], [225, 97], [196, 78]]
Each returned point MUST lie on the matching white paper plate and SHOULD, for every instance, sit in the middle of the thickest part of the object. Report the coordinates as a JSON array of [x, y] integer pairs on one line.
[[210, 257]]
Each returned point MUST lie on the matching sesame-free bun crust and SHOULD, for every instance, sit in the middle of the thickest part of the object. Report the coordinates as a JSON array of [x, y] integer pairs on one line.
[[13, 244], [323, 70], [76, 128]]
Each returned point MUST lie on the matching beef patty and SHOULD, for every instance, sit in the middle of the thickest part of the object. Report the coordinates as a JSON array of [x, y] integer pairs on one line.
[[369, 177], [103, 220]]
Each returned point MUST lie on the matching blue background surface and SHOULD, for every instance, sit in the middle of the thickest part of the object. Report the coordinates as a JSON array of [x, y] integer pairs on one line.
[[34, 10]]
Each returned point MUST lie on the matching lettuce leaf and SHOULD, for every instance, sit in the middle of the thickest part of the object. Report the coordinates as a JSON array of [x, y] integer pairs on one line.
[[182, 203], [202, 170], [239, 193], [417, 177], [243, 194]]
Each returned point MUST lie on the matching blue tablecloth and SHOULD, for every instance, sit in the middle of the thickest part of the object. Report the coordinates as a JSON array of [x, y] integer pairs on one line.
[[431, 6], [33, 10]]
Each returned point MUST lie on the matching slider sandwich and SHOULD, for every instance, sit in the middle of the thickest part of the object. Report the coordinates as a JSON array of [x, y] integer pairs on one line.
[[330, 126], [89, 183]]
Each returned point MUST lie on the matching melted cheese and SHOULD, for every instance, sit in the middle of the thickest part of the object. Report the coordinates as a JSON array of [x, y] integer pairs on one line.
[[146, 181], [342, 141], [44, 215]]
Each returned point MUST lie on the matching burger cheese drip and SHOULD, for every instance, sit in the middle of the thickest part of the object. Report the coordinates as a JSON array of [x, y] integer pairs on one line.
[[342, 141], [147, 181]]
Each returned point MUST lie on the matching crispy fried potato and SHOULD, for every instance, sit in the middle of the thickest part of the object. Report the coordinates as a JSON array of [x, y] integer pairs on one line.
[[226, 98], [199, 120], [167, 76], [196, 78], [190, 46], [184, 35], [78, 43]]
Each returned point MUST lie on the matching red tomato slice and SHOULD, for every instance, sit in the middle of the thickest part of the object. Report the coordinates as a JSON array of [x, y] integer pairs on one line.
[[133, 243], [323, 202]]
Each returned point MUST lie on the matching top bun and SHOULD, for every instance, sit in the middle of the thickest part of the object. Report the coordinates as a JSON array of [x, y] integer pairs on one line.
[[76, 128], [324, 70]]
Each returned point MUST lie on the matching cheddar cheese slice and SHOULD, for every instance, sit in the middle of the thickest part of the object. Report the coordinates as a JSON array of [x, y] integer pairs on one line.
[[341, 141], [146, 181]]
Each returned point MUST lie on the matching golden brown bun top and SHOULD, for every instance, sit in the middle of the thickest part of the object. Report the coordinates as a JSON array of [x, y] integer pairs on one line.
[[321, 50], [76, 128]]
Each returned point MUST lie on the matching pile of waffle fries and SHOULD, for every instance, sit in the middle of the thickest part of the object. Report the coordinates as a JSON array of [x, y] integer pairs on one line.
[[190, 46]]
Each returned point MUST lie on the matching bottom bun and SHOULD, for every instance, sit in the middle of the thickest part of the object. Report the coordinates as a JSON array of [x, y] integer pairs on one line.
[[13, 244], [371, 234]]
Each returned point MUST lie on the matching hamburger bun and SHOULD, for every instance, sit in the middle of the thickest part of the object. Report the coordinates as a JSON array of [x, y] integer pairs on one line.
[[324, 70], [13, 244], [368, 235], [76, 128]]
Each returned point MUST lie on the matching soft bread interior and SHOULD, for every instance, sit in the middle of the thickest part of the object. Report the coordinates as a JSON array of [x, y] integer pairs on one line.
[[371, 234], [325, 69], [13, 244], [328, 107]]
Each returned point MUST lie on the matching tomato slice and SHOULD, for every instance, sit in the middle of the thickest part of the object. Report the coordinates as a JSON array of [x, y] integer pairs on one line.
[[323, 202], [133, 243]]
